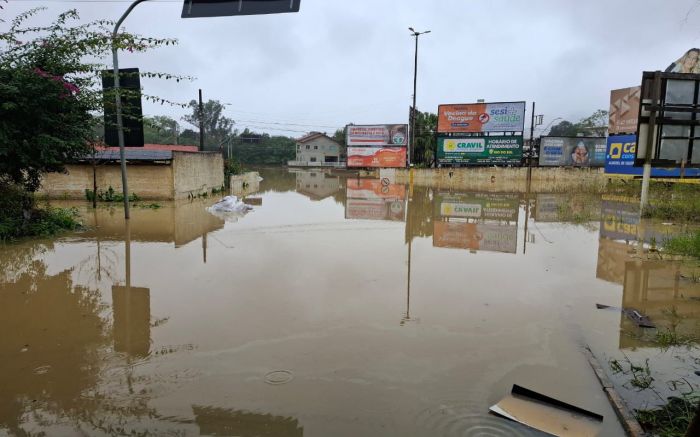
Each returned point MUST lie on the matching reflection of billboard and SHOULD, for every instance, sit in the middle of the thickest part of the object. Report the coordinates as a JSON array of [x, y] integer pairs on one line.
[[620, 156], [547, 207], [481, 117], [573, 151], [369, 199], [620, 221], [477, 206], [480, 150], [476, 236], [624, 110], [378, 135], [377, 157]]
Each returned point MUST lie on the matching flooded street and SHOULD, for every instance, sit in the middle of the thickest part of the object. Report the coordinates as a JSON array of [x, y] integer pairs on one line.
[[338, 306]]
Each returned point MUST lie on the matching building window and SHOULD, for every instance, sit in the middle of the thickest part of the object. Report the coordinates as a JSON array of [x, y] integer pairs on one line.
[[313, 159], [298, 148], [315, 147], [308, 147]]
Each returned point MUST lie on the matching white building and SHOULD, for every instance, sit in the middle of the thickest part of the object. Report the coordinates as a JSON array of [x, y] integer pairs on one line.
[[318, 150]]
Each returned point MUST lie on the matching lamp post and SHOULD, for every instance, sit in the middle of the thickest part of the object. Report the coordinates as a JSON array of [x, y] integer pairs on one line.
[[412, 146]]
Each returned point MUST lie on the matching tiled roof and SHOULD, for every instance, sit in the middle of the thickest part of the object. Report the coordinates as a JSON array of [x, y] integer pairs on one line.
[[170, 147]]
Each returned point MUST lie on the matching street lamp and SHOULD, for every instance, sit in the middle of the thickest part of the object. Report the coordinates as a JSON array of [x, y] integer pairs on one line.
[[190, 9], [412, 146]]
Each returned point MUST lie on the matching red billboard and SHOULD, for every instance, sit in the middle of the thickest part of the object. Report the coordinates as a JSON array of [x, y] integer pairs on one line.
[[377, 157]]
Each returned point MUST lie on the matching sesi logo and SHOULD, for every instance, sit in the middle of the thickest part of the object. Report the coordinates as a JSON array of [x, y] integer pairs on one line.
[[484, 118]]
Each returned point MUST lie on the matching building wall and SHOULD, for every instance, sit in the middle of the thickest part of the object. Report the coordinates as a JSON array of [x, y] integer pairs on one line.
[[148, 181], [318, 148], [197, 173], [188, 174], [502, 179]]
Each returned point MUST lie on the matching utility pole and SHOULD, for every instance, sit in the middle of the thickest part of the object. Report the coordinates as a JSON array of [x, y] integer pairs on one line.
[[651, 139], [532, 136], [201, 122], [412, 146]]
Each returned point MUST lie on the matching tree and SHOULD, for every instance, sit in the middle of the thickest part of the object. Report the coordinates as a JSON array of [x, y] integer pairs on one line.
[[595, 124], [564, 129], [50, 86], [425, 138], [160, 129], [217, 127]]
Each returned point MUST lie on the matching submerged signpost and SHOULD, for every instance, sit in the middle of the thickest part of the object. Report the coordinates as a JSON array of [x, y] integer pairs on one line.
[[190, 9]]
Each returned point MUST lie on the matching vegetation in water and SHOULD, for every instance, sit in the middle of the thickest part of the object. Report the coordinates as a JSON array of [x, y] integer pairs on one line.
[[19, 216], [110, 195], [671, 419], [669, 201]]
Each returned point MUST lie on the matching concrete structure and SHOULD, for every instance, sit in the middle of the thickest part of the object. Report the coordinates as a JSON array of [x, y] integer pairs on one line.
[[502, 179], [244, 184], [153, 174], [318, 150]]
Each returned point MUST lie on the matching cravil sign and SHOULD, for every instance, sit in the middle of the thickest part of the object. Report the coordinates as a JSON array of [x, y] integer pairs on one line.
[[480, 150], [620, 155]]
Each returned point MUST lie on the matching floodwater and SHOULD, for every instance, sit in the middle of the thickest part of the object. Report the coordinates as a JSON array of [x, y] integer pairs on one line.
[[338, 307]]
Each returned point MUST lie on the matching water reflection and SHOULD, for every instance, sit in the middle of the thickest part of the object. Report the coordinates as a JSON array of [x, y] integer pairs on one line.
[[476, 221], [225, 422], [375, 199]]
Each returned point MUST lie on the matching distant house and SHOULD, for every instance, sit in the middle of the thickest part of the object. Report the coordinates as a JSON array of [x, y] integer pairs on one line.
[[318, 150]]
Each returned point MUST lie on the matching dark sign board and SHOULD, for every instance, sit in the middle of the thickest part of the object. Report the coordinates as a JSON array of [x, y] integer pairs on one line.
[[572, 151], [226, 8], [669, 119], [480, 150], [132, 116]]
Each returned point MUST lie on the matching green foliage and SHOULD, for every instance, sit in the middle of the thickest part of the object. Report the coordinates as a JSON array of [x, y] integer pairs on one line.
[[110, 196], [217, 127], [425, 138], [686, 245], [50, 83], [671, 419], [593, 125], [19, 218], [160, 129], [270, 150]]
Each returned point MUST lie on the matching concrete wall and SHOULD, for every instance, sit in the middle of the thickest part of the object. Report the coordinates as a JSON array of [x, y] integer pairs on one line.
[[510, 180], [244, 184], [188, 174], [148, 181], [197, 173]]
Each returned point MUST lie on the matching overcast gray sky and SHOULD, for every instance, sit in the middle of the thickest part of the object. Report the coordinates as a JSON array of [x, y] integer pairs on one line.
[[337, 61]]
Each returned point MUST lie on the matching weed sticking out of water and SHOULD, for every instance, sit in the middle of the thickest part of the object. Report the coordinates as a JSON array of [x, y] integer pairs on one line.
[[147, 205], [641, 378], [110, 196], [672, 419], [666, 338]]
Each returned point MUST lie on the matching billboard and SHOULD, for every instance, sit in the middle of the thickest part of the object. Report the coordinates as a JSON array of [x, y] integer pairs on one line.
[[370, 199], [480, 150], [376, 156], [476, 236], [620, 157], [573, 151], [481, 117], [132, 114], [391, 135], [490, 206], [624, 110], [209, 8]]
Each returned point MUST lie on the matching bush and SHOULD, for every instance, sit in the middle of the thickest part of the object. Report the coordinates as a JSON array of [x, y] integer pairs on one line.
[[19, 216]]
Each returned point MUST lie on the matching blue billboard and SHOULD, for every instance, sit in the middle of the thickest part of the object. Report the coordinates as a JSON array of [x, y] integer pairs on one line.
[[619, 159]]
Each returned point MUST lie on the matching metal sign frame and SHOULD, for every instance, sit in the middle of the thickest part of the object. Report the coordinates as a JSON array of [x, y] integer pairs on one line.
[[655, 113]]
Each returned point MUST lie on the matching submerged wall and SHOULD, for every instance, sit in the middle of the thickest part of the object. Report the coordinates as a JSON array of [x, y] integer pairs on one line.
[[503, 179], [186, 175]]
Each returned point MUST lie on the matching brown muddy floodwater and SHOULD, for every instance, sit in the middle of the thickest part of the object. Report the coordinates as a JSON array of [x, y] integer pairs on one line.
[[337, 307]]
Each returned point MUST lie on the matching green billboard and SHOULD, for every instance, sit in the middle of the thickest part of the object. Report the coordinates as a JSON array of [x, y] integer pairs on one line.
[[491, 150]]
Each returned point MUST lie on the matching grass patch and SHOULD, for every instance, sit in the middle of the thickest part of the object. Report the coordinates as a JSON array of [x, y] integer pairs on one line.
[[667, 200], [672, 419], [44, 222], [685, 245]]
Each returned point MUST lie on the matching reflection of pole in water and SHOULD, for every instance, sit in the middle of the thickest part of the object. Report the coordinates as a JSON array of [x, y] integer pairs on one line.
[[407, 317], [204, 247], [527, 203]]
